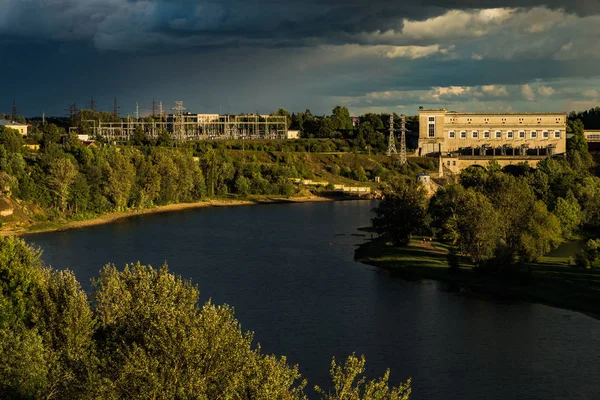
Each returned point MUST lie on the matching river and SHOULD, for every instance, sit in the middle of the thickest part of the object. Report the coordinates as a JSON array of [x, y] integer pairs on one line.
[[288, 270]]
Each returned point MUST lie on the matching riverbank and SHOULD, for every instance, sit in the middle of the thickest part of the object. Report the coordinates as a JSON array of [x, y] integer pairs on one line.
[[550, 282], [62, 225]]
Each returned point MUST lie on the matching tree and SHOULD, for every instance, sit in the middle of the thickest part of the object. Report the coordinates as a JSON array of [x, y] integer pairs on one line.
[[569, 213], [401, 212], [474, 226], [282, 112], [348, 384], [139, 136], [11, 139], [541, 234], [61, 175], [341, 119], [577, 141]]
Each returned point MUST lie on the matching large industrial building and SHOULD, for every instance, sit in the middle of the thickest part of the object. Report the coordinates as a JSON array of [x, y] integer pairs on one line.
[[490, 134]]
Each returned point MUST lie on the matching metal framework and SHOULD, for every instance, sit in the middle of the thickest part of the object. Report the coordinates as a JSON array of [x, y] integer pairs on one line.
[[391, 143], [402, 159], [184, 127]]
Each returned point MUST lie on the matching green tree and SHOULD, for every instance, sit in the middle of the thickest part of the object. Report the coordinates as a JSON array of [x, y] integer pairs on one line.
[[341, 119], [11, 139], [474, 226], [569, 214], [350, 384], [577, 141], [541, 234], [401, 212], [61, 175]]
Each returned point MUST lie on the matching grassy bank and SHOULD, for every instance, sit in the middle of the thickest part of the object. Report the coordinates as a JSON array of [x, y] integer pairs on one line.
[[551, 281], [59, 225]]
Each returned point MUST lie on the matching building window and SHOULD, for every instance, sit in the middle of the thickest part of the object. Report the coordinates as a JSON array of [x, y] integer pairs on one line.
[[448, 163], [431, 131], [431, 119], [521, 134], [452, 135], [454, 163], [556, 134], [533, 135], [546, 135], [509, 135], [486, 134], [498, 134], [475, 134], [463, 134]]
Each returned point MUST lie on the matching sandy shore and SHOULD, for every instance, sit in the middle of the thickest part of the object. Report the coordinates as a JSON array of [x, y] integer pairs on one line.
[[111, 217]]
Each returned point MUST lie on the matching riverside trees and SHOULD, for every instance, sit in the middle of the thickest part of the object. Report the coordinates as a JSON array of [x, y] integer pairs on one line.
[[498, 219], [142, 334]]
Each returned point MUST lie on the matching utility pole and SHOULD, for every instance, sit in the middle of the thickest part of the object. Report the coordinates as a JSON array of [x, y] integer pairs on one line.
[[92, 104], [153, 108], [137, 111], [116, 109], [391, 143], [14, 110], [178, 125], [403, 160], [43, 118]]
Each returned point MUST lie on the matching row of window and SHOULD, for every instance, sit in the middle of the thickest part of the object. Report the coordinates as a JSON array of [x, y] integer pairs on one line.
[[498, 134]]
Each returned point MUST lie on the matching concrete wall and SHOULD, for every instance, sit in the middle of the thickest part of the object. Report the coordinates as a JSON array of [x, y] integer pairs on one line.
[[457, 164], [449, 129]]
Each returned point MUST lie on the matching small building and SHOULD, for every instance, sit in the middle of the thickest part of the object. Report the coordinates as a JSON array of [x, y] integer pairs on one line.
[[424, 179], [592, 136], [83, 138], [293, 134], [22, 128]]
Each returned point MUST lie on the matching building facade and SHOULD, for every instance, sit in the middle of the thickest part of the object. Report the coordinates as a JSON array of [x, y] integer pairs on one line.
[[22, 128], [446, 131]]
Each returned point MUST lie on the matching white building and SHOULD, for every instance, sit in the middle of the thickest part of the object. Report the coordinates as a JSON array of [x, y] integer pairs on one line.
[[293, 134], [22, 128]]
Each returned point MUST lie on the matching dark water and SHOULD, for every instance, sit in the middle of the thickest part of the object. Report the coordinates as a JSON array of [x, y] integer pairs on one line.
[[289, 272]]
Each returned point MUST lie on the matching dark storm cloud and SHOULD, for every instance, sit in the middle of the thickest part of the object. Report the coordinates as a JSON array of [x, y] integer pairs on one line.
[[133, 25]]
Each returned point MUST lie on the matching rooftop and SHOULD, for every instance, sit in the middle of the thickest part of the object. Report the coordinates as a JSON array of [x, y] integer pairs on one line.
[[4, 122], [489, 113]]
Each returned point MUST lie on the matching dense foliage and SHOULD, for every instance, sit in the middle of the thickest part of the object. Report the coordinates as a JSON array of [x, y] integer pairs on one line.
[[141, 335], [504, 218]]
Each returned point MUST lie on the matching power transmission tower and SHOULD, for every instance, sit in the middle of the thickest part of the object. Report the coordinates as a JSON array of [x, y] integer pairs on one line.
[[92, 103], [178, 120], [392, 143], [14, 110], [137, 111], [403, 140], [72, 110], [116, 109]]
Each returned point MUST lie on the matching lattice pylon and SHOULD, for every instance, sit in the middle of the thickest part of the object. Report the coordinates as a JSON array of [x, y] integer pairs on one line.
[[391, 143], [403, 159]]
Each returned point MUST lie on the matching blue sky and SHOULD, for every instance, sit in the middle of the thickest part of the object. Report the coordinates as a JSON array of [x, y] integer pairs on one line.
[[247, 56]]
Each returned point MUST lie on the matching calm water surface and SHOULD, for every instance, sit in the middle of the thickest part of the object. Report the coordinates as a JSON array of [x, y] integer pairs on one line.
[[288, 270]]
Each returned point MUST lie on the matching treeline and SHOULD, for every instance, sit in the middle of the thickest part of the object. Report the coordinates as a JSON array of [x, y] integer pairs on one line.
[[369, 134], [140, 334], [68, 177], [501, 219]]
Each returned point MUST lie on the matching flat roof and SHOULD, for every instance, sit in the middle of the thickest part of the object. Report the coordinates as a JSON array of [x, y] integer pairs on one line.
[[490, 113], [7, 122]]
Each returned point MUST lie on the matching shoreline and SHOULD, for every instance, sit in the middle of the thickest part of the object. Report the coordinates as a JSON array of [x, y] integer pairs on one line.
[[548, 292], [119, 215]]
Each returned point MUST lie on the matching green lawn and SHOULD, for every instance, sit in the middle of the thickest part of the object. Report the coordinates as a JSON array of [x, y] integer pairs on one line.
[[552, 281]]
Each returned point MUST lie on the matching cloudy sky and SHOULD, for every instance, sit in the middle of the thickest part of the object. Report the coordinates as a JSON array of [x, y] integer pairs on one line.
[[259, 55]]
